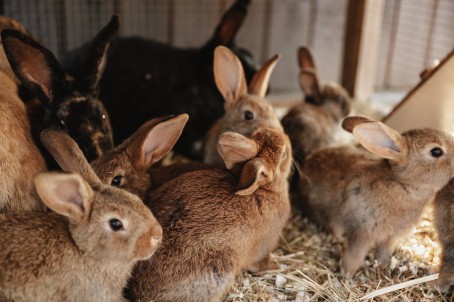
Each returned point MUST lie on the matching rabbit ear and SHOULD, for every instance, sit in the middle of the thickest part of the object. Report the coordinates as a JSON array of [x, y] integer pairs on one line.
[[94, 59], [380, 139], [228, 75], [235, 148], [68, 155], [66, 194], [309, 80], [154, 140], [259, 83], [254, 174], [230, 23], [35, 66]]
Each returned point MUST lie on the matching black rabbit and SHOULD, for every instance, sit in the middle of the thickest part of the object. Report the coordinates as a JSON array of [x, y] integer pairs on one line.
[[73, 106], [145, 79]]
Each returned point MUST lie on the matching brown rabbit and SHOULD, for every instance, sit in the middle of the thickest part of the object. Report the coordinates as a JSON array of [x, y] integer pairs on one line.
[[315, 122], [444, 224], [21, 159], [245, 108], [217, 223], [126, 166], [372, 201], [83, 253]]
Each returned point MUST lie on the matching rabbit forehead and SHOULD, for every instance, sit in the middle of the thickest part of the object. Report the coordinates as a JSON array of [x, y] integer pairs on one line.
[[427, 138]]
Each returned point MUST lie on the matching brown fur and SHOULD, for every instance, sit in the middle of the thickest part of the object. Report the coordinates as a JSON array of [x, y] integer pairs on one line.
[[50, 257], [315, 122], [211, 232], [21, 160], [444, 224], [371, 201], [238, 99]]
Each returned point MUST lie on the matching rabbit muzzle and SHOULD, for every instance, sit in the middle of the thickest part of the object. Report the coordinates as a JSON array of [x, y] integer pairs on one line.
[[149, 242]]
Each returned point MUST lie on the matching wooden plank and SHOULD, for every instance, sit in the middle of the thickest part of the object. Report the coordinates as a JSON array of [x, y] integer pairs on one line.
[[430, 103]]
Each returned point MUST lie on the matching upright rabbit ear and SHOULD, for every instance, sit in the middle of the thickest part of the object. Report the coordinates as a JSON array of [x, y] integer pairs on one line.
[[154, 139], [94, 60], [230, 23], [228, 75], [68, 155], [255, 173], [309, 80], [235, 148], [35, 66], [66, 194], [261, 79], [377, 137]]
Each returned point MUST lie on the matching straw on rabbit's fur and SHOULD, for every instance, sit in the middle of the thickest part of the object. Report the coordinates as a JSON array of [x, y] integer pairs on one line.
[[211, 217], [146, 79], [83, 253], [372, 201], [21, 159], [246, 108], [315, 122], [73, 107]]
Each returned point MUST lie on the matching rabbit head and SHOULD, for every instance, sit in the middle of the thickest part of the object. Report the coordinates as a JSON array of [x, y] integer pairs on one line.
[[102, 218], [245, 108], [126, 165], [330, 95], [425, 153], [73, 106], [264, 158]]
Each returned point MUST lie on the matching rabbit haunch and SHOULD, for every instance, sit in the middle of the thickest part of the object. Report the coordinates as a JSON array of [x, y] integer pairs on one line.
[[72, 106], [83, 253], [145, 79], [369, 201], [21, 159], [210, 220]]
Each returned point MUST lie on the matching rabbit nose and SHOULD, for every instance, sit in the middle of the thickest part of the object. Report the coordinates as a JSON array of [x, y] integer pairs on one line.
[[149, 242], [156, 238]]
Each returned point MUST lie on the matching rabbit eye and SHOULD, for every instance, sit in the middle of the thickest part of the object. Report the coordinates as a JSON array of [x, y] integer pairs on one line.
[[248, 115], [436, 152], [116, 181], [62, 123], [115, 224], [103, 117]]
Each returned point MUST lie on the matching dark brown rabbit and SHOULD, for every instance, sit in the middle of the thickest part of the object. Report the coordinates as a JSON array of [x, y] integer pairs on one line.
[[315, 122], [145, 79], [21, 159], [444, 224], [372, 201], [83, 253], [217, 223], [246, 108], [73, 106]]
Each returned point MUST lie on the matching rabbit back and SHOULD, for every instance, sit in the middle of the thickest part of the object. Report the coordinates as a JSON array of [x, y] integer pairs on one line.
[[21, 159], [208, 236]]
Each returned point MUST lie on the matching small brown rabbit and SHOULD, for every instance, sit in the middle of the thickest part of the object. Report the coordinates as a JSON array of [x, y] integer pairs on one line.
[[245, 108], [217, 223], [369, 201], [125, 166], [83, 253], [315, 122], [444, 224], [21, 159]]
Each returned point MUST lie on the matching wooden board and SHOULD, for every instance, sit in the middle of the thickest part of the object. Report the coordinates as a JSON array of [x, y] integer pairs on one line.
[[430, 103]]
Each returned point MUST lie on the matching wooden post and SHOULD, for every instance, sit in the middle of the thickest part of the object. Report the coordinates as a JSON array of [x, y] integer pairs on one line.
[[362, 38]]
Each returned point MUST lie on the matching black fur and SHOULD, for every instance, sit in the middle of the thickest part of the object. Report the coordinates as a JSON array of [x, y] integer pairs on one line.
[[72, 106], [145, 79]]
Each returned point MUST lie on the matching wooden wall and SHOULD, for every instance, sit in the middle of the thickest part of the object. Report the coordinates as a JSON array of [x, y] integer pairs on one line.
[[414, 32]]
